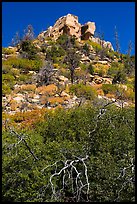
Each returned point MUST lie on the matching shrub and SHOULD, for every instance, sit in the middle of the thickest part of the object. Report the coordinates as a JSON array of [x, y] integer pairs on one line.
[[101, 69], [6, 69], [86, 48], [64, 136], [115, 67], [120, 77], [97, 47], [28, 49], [110, 55], [7, 51], [54, 52], [91, 69], [8, 82], [83, 66], [109, 88], [24, 64], [6, 89], [23, 78], [84, 91]]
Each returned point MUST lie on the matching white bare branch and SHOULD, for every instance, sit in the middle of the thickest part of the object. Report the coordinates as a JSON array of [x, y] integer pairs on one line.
[[68, 171]]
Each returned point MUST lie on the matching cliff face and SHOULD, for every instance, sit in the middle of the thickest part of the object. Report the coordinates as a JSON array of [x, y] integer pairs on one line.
[[69, 25]]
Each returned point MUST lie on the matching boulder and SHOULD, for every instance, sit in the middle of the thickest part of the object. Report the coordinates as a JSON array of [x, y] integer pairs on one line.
[[85, 59], [62, 78], [98, 80], [87, 30], [105, 44], [102, 62], [107, 80]]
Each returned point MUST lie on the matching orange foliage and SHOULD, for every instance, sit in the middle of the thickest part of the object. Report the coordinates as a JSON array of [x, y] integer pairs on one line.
[[110, 95], [28, 87], [97, 86], [48, 90], [100, 92], [28, 118], [59, 100]]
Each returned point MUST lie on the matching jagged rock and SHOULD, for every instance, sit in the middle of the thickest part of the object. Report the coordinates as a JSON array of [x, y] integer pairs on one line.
[[18, 99], [102, 62], [65, 25], [85, 59], [13, 48], [69, 25], [98, 80], [87, 30], [62, 78], [64, 94], [32, 72], [107, 80], [35, 100], [105, 44], [44, 34]]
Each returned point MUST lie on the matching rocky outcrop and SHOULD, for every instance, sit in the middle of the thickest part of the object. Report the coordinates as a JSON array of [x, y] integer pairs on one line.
[[69, 25], [103, 43], [65, 25], [87, 30]]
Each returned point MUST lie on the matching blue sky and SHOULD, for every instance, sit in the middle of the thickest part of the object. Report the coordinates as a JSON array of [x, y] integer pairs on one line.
[[106, 15]]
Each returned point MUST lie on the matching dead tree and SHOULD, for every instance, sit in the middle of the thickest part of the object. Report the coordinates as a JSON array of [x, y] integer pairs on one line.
[[45, 74], [72, 60], [117, 41]]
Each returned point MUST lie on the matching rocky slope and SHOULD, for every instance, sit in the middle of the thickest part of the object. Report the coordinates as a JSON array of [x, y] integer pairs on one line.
[[28, 96]]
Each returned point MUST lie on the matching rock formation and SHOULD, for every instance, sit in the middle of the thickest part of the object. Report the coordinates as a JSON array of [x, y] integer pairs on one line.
[[105, 44], [87, 30], [69, 25], [65, 25]]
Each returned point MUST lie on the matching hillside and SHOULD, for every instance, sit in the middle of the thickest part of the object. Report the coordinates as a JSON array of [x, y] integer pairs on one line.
[[59, 88]]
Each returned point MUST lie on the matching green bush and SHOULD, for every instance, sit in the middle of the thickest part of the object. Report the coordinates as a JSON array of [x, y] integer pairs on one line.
[[6, 89], [6, 69], [115, 67], [24, 64], [54, 52], [97, 47], [28, 49], [86, 48], [91, 69], [8, 82], [109, 88], [68, 135], [119, 77], [81, 90], [7, 51], [110, 55]]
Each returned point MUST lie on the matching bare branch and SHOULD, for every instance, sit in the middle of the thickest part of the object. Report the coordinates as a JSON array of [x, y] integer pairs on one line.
[[21, 139]]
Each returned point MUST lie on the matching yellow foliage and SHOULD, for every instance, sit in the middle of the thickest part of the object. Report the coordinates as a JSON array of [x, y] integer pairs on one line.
[[56, 66], [101, 69]]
